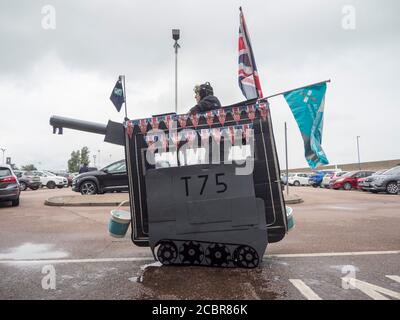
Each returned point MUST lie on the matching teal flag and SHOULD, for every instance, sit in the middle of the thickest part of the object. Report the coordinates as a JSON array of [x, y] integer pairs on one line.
[[307, 105]]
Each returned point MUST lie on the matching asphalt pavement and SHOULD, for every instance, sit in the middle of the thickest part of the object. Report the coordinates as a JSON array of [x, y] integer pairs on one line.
[[66, 253]]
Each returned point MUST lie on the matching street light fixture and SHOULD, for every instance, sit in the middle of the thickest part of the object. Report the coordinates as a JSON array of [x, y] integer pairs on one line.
[[176, 36]]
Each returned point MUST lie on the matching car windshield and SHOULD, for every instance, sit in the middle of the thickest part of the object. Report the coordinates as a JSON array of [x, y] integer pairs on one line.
[[116, 167], [48, 173], [349, 174], [4, 172], [393, 171], [341, 174]]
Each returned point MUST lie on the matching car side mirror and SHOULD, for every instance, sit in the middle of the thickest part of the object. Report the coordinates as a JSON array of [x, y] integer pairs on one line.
[[105, 170]]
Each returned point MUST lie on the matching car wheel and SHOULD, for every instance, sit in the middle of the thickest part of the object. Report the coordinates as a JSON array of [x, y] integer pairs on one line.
[[88, 187], [315, 186], [347, 186], [34, 188], [60, 187], [296, 183], [392, 188], [51, 185], [23, 186], [15, 203]]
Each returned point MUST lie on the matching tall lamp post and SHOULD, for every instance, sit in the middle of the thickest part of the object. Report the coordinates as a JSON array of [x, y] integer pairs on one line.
[[358, 152], [98, 157], [4, 150], [176, 36]]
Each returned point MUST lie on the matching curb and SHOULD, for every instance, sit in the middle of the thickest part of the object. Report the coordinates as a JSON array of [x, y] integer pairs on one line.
[[60, 202], [294, 201], [83, 204]]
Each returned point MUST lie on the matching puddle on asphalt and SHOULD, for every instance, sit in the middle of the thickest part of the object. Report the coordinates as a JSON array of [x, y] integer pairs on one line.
[[181, 282], [32, 251]]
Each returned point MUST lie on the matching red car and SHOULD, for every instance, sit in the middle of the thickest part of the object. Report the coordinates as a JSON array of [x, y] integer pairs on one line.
[[350, 180]]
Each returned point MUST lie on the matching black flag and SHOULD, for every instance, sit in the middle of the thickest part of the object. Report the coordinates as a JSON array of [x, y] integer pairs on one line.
[[117, 95]]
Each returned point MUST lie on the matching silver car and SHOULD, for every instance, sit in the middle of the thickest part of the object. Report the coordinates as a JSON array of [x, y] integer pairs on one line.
[[9, 185], [386, 182]]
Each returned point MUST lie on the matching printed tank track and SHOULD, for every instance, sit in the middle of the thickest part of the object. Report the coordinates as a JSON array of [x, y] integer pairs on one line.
[[201, 253]]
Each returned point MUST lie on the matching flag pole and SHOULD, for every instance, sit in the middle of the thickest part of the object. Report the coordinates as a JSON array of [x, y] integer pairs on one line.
[[284, 92], [126, 109], [287, 163]]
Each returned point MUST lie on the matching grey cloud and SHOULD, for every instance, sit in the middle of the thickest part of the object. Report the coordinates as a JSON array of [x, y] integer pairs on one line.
[[120, 35]]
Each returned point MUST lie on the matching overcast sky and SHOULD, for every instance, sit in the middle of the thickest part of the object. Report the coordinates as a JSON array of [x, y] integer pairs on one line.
[[71, 70]]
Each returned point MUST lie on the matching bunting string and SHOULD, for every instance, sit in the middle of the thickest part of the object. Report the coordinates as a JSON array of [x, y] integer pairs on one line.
[[211, 117], [233, 133]]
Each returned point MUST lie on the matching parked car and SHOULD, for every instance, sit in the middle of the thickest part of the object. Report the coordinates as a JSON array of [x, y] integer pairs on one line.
[[360, 183], [349, 180], [385, 182], [27, 180], [331, 176], [68, 176], [363, 183], [297, 179], [111, 178], [9, 185], [50, 180], [316, 178]]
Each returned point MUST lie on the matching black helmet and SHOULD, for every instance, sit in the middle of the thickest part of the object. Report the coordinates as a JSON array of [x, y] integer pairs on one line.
[[204, 90]]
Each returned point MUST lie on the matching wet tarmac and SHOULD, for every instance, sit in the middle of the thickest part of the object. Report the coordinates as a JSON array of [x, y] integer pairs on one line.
[[59, 253]]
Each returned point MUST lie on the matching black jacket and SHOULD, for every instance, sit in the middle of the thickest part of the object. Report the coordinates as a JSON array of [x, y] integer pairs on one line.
[[206, 104]]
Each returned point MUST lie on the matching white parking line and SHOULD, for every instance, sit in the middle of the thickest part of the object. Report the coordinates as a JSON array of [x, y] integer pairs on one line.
[[150, 258], [76, 260], [373, 291], [305, 290], [332, 254], [394, 278]]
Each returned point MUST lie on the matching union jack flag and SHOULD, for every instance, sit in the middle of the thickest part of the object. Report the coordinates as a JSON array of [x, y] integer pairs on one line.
[[249, 82]]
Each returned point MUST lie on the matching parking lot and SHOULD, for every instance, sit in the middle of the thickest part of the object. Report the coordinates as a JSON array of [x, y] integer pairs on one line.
[[338, 234]]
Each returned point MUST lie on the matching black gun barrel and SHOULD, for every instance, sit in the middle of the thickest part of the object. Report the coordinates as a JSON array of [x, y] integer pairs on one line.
[[81, 125], [113, 131]]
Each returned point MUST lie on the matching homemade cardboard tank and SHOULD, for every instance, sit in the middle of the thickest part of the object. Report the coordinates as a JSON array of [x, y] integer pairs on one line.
[[188, 202]]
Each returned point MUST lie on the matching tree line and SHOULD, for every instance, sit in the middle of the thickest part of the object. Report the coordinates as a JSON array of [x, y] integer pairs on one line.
[[78, 158]]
